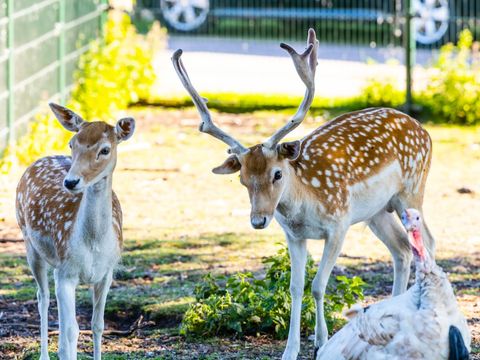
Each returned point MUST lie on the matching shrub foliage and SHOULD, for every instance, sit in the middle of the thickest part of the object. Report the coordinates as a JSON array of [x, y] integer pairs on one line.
[[453, 92], [244, 305], [377, 93]]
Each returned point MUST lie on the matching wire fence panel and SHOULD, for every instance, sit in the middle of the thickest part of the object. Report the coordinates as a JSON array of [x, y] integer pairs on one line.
[[40, 43]]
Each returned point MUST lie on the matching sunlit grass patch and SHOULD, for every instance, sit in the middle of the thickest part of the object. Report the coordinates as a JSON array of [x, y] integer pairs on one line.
[[16, 281]]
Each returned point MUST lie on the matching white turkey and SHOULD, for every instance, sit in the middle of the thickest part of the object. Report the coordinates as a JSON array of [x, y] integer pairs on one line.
[[422, 323]]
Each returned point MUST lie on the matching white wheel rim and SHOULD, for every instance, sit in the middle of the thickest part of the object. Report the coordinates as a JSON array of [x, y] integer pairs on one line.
[[185, 15], [431, 20]]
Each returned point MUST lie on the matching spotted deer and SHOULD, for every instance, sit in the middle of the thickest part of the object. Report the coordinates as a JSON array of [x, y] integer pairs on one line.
[[71, 220], [361, 166]]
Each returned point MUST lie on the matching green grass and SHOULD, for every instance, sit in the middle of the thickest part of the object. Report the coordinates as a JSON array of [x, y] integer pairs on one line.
[[16, 282]]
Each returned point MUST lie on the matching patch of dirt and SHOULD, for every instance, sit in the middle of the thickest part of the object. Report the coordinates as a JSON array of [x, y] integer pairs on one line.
[[11, 241]]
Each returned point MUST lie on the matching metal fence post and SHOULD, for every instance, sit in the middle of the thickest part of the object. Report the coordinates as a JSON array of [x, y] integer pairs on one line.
[[410, 47], [104, 16], [61, 51], [11, 74]]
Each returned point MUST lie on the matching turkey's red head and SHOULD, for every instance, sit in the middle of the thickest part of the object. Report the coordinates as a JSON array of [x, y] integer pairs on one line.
[[412, 221]]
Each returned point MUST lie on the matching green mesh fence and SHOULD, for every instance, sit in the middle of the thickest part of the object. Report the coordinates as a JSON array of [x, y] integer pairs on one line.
[[40, 43]]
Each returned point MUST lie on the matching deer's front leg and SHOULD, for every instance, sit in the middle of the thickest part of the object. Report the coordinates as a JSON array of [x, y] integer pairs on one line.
[[298, 258], [39, 270], [331, 250], [100, 291], [65, 291]]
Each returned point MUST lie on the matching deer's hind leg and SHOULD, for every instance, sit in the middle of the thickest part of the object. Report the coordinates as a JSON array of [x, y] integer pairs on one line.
[[331, 251], [390, 232], [39, 269]]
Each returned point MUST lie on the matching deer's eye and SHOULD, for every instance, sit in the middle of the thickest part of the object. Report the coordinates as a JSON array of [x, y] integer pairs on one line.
[[70, 145], [105, 151], [277, 176]]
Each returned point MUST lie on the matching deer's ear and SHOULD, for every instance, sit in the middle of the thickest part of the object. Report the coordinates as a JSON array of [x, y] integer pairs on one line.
[[68, 119], [125, 128], [289, 150], [230, 166]]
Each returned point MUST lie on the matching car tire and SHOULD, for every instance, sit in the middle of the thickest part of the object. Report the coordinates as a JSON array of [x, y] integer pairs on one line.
[[184, 15], [432, 21]]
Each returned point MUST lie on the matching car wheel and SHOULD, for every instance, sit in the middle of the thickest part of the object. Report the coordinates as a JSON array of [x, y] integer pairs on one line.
[[431, 20], [184, 15]]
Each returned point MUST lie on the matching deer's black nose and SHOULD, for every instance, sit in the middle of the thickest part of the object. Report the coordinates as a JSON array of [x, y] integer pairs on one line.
[[70, 184], [258, 222]]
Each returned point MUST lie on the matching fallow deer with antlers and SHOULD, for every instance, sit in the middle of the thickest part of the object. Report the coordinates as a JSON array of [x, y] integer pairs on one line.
[[71, 220], [361, 166]]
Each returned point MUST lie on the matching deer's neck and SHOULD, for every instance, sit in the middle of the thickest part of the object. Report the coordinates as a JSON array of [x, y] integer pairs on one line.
[[294, 195], [95, 213]]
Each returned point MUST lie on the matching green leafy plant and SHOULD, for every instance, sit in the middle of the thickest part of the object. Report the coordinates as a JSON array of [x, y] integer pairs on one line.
[[244, 305], [381, 93], [453, 92]]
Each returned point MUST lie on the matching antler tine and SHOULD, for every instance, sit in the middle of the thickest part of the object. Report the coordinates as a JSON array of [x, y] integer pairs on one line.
[[305, 64], [207, 126]]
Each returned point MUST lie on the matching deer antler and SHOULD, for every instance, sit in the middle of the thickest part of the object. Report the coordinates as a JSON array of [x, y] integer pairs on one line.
[[305, 64], [207, 126]]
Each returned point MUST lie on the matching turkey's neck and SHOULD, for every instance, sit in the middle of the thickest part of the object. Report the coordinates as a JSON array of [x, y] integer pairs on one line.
[[434, 289]]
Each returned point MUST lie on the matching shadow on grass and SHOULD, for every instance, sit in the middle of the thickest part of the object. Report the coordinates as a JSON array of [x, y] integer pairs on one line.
[[462, 272]]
